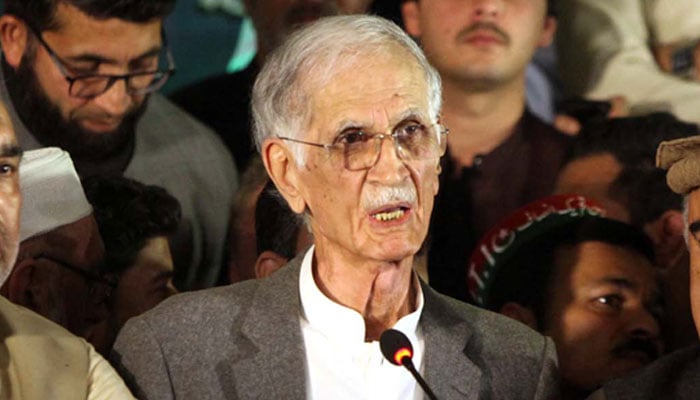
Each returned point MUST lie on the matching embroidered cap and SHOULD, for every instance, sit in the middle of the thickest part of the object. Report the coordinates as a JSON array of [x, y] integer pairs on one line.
[[681, 157], [527, 223]]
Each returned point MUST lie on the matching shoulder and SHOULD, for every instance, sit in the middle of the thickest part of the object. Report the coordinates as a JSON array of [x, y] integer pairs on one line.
[[19, 321], [513, 360], [63, 365], [189, 310], [489, 329], [169, 137], [218, 312], [672, 376]]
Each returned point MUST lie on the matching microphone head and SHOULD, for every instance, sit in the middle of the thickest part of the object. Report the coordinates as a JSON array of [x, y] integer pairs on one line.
[[395, 346]]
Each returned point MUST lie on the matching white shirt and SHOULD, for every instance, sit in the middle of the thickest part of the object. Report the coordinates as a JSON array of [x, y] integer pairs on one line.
[[340, 364]]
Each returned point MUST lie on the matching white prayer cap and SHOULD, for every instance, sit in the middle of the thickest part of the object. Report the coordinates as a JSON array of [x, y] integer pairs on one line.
[[52, 195]]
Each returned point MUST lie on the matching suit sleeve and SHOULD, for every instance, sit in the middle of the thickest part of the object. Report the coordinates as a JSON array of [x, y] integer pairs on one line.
[[603, 50], [548, 383], [138, 357]]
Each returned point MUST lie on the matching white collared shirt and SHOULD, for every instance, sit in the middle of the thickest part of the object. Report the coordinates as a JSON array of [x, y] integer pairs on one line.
[[340, 364]]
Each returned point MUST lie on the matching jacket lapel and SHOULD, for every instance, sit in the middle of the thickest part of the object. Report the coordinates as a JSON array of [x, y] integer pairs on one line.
[[270, 357], [447, 368]]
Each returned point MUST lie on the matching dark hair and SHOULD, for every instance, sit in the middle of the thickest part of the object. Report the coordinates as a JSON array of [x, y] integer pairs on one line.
[[632, 140], [645, 194], [276, 225], [128, 213], [526, 278], [640, 187], [41, 14]]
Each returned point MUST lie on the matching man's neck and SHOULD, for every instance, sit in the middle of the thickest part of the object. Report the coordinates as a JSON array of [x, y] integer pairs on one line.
[[382, 292], [479, 121]]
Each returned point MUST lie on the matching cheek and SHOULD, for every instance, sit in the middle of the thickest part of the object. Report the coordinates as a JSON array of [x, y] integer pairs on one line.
[[695, 281]]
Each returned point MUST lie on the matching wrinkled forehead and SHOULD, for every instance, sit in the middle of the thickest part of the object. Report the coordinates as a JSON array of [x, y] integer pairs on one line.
[[384, 82]]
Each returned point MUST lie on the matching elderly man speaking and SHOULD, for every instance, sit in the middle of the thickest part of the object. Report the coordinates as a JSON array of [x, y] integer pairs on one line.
[[346, 118]]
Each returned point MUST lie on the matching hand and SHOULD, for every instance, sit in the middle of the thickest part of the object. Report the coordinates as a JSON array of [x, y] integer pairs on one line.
[[571, 125]]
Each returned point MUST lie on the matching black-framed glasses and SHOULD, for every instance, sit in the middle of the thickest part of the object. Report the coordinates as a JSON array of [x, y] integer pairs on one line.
[[360, 150], [92, 85], [100, 288]]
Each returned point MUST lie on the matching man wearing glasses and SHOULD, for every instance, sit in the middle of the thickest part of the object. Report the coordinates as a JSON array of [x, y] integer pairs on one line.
[[347, 123], [82, 75]]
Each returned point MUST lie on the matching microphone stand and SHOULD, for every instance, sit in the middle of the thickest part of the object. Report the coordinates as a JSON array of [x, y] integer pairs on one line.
[[408, 363]]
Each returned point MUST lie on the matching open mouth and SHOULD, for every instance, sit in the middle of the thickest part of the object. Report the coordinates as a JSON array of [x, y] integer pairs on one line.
[[390, 214]]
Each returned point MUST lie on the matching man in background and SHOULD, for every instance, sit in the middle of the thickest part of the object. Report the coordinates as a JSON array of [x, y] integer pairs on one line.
[[500, 156], [82, 75], [675, 375], [58, 272], [134, 221], [42, 359], [586, 281]]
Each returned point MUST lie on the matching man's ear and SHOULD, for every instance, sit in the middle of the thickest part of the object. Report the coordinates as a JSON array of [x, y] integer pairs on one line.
[[284, 172], [267, 263], [667, 235], [550, 28], [22, 286], [410, 12], [519, 313], [13, 38]]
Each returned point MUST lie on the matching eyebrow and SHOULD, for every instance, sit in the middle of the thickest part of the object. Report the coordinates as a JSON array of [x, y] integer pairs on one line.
[[409, 113], [99, 59], [10, 150], [622, 283], [164, 275]]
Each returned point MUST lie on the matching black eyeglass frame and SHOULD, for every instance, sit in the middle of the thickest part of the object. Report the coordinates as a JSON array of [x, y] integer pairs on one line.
[[161, 77], [442, 133]]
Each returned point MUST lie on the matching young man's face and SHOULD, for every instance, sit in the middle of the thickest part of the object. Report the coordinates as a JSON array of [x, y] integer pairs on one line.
[[603, 313], [482, 43], [693, 213], [83, 46]]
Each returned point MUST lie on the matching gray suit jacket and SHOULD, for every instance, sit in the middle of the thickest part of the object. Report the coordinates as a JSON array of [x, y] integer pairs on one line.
[[245, 342], [674, 376]]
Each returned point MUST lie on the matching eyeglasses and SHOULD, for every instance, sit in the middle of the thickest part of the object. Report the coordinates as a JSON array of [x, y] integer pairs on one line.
[[101, 287], [92, 85], [360, 150]]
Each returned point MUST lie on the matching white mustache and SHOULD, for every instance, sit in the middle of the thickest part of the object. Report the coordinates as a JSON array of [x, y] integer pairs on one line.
[[383, 195]]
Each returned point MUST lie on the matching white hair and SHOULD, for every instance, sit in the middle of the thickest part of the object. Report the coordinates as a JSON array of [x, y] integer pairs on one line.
[[314, 54]]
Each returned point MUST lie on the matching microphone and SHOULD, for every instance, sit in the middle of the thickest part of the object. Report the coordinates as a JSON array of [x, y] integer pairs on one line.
[[398, 350]]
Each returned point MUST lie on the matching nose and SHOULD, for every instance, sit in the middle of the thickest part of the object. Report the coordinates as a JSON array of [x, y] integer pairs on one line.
[[644, 324], [487, 8], [389, 168], [115, 101]]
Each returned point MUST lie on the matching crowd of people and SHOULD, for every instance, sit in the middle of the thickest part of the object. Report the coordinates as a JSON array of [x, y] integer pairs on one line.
[[380, 166]]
